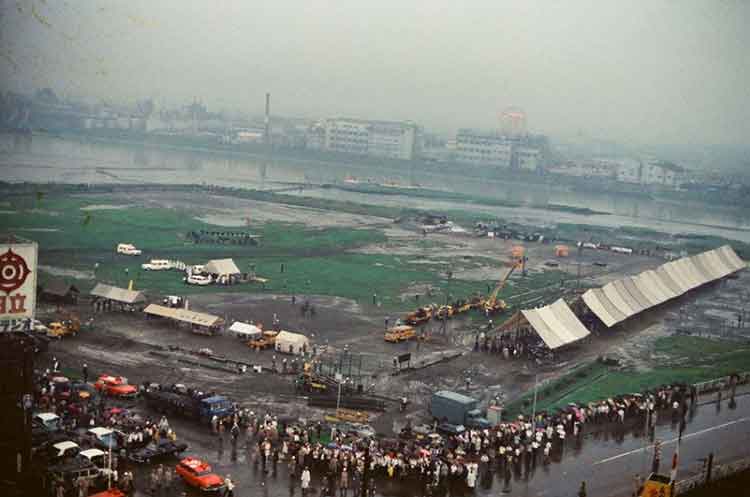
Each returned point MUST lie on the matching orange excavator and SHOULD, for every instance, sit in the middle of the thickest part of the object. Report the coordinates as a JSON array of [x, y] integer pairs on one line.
[[494, 304]]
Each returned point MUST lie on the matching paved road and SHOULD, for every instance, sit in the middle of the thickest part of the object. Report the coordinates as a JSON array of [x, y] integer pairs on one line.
[[606, 461]]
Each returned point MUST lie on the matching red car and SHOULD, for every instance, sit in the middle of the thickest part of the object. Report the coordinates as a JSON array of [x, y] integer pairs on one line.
[[197, 473], [116, 386]]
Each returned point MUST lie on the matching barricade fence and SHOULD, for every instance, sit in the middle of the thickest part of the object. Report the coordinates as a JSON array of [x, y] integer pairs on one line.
[[717, 473], [721, 383]]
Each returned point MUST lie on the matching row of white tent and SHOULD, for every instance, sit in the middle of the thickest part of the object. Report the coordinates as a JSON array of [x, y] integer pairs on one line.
[[556, 324], [626, 297]]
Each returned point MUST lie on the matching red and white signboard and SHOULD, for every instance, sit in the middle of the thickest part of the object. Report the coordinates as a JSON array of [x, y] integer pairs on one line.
[[17, 280]]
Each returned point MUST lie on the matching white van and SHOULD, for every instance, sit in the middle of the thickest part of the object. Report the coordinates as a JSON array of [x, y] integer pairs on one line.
[[157, 265], [199, 279], [128, 249]]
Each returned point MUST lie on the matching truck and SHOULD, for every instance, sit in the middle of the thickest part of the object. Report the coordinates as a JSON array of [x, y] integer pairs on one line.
[[191, 405], [451, 408]]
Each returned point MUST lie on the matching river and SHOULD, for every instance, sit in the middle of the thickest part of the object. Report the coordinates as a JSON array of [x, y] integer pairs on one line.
[[49, 159]]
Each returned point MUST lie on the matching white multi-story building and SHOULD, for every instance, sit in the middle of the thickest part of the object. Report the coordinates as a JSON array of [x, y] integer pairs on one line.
[[479, 147], [527, 159], [662, 173], [586, 169], [650, 173], [629, 171], [395, 140]]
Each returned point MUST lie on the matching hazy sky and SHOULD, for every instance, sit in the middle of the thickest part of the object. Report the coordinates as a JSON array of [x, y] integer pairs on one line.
[[634, 71]]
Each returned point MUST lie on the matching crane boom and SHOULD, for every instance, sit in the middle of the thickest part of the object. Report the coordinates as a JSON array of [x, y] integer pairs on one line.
[[491, 303]]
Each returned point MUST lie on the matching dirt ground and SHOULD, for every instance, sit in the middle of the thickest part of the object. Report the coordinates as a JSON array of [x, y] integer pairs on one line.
[[123, 343], [227, 211]]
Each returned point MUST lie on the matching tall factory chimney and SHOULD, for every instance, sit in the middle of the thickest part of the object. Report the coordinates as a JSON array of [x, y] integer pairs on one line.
[[267, 136]]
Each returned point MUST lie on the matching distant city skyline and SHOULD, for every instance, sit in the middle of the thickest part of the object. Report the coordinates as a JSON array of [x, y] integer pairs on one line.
[[634, 72]]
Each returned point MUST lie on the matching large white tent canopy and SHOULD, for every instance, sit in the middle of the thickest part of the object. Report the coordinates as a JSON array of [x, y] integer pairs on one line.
[[556, 324], [618, 300]]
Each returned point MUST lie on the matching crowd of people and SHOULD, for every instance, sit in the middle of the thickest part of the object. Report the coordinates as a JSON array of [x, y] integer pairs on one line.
[[436, 464], [517, 345], [338, 462]]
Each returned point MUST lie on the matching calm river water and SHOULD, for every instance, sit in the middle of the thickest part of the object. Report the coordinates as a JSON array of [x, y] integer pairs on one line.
[[50, 159]]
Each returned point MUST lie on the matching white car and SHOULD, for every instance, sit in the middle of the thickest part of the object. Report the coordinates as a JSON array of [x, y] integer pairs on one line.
[[197, 269], [157, 265], [128, 249], [198, 279], [63, 449]]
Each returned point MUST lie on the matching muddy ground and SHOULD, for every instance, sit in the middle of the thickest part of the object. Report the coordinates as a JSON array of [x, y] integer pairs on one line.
[[123, 343]]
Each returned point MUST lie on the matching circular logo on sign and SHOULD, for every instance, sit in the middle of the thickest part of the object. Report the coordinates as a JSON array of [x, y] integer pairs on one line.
[[13, 271]]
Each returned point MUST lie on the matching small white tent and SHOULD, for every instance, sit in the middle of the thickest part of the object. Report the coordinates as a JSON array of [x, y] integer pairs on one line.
[[245, 331], [292, 343]]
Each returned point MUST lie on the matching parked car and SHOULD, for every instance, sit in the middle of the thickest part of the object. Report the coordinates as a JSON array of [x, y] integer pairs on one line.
[[128, 249], [157, 265], [451, 429], [152, 452], [198, 474], [48, 420], [62, 450], [115, 386], [70, 473], [101, 437], [198, 279], [99, 459]]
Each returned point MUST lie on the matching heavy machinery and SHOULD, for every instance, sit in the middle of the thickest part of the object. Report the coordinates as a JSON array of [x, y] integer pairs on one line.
[[444, 312], [266, 340], [69, 324], [421, 315], [658, 485], [494, 304], [399, 334]]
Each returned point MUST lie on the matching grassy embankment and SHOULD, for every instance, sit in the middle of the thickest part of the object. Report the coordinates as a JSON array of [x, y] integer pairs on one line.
[[317, 261], [682, 359]]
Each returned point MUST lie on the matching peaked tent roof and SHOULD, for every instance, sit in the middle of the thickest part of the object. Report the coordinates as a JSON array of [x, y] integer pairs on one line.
[[184, 315], [245, 328], [58, 287], [222, 266], [117, 294], [556, 324], [620, 299]]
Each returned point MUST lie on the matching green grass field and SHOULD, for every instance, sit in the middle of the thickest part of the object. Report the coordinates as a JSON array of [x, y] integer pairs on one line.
[[700, 359], [317, 261]]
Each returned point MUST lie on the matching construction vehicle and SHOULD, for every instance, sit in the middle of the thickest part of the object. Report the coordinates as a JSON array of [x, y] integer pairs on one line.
[[421, 315], [265, 341], [494, 304], [656, 484], [348, 415], [399, 334], [69, 324], [444, 312]]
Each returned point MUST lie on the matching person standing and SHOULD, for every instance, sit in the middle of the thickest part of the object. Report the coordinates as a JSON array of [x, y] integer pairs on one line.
[[305, 479], [344, 483], [228, 486], [85, 373]]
